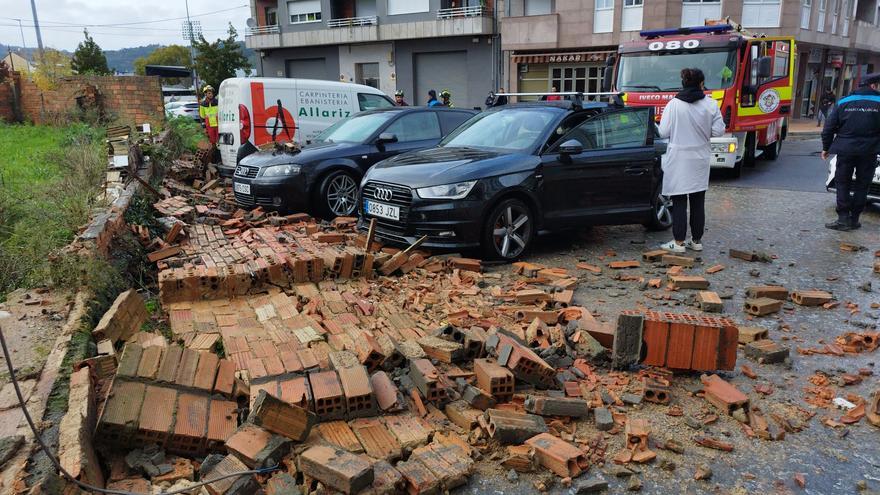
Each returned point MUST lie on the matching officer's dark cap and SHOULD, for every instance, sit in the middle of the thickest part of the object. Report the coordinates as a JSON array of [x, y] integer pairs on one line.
[[873, 78]]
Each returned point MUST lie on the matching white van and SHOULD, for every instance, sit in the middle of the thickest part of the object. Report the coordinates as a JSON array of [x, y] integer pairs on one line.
[[249, 111]]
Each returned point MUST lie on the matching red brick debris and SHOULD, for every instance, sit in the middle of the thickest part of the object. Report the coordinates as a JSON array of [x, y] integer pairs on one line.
[[361, 367]]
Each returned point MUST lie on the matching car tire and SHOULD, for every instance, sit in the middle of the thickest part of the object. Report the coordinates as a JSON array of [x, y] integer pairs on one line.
[[508, 230], [661, 214], [337, 196]]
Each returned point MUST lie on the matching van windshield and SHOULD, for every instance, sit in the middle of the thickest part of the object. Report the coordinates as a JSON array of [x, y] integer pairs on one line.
[[354, 129]]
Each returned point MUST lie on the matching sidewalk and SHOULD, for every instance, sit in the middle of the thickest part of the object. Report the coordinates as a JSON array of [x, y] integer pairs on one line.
[[803, 129]]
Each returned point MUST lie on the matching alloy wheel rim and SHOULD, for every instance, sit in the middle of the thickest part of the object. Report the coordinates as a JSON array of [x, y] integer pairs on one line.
[[664, 210], [510, 231], [342, 195]]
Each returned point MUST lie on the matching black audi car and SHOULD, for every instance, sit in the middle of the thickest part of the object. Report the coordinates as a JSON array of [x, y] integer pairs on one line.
[[512, 172], [323, 177]]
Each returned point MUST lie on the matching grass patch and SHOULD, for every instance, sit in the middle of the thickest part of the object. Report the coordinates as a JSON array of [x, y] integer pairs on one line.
[[51, 178]]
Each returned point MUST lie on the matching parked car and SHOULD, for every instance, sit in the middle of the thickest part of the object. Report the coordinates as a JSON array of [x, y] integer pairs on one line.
[[323, 177], [873, 189], [250, 114], [183, 109], [514, 171]]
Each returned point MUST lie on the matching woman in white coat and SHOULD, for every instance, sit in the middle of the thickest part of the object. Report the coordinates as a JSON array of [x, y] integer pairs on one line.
[[689, 120]]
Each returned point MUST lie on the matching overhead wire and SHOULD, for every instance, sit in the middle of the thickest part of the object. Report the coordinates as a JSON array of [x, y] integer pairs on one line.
[[142, 22]]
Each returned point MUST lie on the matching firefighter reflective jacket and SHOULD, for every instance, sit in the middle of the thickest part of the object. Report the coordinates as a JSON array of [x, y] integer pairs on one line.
[[208, 111]]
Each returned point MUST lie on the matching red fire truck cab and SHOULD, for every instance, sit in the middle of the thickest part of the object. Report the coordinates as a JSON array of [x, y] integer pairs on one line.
[[751, 78]]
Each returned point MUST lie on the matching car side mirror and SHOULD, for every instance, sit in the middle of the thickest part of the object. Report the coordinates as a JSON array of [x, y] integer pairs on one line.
[[571, 147], [387, 137], [765, 67]]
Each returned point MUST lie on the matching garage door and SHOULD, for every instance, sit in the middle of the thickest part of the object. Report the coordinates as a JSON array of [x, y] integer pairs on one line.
[[309, 68], [439, 71]]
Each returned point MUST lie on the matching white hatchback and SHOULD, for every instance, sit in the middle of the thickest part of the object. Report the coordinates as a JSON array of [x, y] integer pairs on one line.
[[873, 190]]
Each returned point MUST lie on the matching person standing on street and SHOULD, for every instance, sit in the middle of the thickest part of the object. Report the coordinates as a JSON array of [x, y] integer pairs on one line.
[[689, 120], [554, 97], [446, 99], [826, 103], [432, 99], [208, 114], [398, 98], [852, 132]]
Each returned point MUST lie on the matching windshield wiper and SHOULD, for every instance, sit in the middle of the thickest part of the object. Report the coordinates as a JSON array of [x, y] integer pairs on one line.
[[640, 86]]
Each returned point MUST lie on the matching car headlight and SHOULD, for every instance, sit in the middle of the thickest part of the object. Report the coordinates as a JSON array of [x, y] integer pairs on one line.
[[447, 191], [281, 170]]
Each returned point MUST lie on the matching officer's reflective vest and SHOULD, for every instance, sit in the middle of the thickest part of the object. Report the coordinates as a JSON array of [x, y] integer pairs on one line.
[[208, 112]]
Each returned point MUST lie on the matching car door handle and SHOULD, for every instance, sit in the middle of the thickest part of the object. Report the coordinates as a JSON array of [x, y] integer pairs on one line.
[[635, 171]]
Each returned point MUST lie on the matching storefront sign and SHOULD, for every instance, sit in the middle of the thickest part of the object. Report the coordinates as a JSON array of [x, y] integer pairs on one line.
[[835, 59], [815, 56], [562, 58], [851, 59]]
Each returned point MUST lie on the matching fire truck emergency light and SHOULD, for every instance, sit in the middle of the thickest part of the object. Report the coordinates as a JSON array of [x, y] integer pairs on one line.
[[718, 29]]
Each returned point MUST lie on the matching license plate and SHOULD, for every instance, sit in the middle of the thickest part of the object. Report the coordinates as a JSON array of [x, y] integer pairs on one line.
[[382, 210], [241, 188]]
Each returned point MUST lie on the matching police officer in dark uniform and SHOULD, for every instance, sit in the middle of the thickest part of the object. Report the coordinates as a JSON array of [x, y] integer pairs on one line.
[[852, 132]]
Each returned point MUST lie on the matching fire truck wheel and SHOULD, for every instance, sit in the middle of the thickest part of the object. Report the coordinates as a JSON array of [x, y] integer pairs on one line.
[[771, 152], [748, 158]]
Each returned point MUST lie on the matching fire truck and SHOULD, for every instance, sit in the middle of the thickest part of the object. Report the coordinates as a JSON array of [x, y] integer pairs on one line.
[[751, 77]]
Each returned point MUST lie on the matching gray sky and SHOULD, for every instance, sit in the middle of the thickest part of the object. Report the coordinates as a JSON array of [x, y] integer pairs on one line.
[[62, 21]]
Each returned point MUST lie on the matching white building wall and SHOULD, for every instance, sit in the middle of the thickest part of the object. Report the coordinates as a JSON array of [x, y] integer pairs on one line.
[[381, 53]]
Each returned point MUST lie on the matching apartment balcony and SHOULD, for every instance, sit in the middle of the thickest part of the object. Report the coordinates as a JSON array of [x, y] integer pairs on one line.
[[865, 36], [460, 21], [533, 32], [261, 37]]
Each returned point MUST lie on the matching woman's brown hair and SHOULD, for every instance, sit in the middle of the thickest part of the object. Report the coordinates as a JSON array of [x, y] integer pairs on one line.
[[692, 78]]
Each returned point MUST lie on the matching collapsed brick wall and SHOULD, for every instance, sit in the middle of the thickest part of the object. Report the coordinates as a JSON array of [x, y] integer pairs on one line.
[[134, 99]]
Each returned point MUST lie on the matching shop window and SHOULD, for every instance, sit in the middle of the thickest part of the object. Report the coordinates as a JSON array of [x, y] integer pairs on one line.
[[631, 18], [696, 12], [577, 79], [806, 13], [301, 11], [761, 13], [537, 7], [603, 19]]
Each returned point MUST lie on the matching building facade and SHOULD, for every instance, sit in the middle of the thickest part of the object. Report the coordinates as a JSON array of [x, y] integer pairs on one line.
[[565, 43], [409, 45]]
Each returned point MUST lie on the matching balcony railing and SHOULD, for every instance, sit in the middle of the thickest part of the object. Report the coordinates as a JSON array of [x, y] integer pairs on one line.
[[353, 22], [476, 11], [251, 31]]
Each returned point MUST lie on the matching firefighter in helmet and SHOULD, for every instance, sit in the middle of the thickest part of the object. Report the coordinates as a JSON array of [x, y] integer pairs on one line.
[[208, 113], [399, 98], [446, 98]]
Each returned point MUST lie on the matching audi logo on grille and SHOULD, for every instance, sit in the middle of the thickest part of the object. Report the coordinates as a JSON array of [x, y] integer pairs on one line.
[[383, 193], [240, 171]]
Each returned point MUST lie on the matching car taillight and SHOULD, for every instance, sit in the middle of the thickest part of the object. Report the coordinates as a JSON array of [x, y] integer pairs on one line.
[[244, 124]]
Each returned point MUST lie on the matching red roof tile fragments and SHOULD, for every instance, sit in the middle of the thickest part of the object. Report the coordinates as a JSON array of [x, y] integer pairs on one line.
[[386, 392]]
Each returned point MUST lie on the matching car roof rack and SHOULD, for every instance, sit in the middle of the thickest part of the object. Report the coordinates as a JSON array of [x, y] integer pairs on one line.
[[576, 97]]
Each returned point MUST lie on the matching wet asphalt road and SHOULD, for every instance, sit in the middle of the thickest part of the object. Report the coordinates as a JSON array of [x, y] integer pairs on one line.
[[779, 208]]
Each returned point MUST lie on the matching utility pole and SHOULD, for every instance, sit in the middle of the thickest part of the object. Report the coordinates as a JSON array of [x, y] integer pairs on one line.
[[189, 32], [23, 44], [37, 28]]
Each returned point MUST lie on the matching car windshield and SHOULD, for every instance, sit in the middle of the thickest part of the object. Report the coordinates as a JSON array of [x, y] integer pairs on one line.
[[354, 129], [512, 129], [662, 71]]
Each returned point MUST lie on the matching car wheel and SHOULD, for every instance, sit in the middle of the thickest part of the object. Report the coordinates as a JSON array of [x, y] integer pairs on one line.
[[338, 195], [661, 218], [509, 230]]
